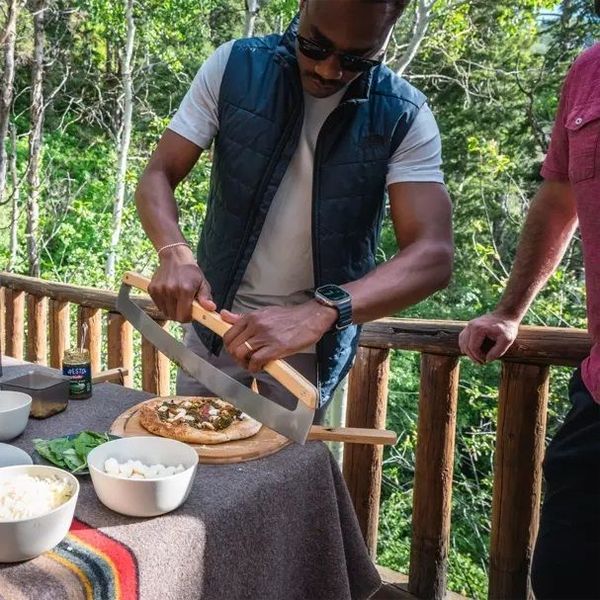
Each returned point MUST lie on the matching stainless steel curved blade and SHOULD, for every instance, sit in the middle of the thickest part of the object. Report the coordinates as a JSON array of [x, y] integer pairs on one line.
[[293, 424]]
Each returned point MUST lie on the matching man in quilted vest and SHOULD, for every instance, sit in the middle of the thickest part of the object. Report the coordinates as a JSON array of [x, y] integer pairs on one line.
[[310, 130]]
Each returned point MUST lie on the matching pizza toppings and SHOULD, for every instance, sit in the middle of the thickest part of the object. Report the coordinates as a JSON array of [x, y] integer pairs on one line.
[[205, 413], [197, 420]]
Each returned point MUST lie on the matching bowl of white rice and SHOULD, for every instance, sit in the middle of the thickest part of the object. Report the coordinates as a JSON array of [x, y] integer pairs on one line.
[[37, 504]]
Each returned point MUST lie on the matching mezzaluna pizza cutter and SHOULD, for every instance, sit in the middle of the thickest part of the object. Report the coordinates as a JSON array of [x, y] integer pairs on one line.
[[295, 424]]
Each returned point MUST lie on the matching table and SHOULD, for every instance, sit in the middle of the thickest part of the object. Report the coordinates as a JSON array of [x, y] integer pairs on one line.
[[282, 527]]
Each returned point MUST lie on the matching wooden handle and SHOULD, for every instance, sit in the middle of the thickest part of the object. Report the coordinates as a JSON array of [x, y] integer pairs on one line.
[[117, 374], [353, 435], [289, 378]]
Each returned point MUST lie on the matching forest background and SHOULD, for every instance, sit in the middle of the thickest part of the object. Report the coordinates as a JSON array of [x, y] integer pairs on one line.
[[88, 86]]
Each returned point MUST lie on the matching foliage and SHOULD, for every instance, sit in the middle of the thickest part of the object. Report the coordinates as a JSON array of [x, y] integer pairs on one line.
[[492, 72]]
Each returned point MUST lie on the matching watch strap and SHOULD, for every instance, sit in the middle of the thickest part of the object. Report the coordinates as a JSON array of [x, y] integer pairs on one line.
[[344, 314]]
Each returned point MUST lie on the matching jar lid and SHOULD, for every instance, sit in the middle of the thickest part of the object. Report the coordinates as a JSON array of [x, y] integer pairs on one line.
[[76, 356]]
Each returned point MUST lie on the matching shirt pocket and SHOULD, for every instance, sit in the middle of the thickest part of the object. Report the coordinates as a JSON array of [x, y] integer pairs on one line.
[[583, 126]]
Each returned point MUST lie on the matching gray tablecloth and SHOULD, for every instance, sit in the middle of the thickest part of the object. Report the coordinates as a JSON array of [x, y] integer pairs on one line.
[[282, 527]]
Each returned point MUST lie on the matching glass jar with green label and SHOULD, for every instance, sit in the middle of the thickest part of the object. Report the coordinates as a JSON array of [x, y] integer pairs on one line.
[[77, 367]]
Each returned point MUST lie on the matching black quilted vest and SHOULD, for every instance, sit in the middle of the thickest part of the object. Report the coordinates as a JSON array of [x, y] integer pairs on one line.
[[260, 119]]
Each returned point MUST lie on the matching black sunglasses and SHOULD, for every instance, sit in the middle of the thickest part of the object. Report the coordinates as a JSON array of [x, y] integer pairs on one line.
[[348, 62]]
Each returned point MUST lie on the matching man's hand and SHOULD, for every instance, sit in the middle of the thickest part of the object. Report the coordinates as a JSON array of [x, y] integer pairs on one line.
[[497, 331], [178, 281], [275, 332]]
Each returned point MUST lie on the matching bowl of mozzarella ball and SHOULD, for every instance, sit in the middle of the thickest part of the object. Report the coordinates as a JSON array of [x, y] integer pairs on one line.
[[142, 476]]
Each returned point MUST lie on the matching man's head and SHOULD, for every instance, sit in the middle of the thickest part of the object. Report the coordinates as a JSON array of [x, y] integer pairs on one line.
[[334, 35]]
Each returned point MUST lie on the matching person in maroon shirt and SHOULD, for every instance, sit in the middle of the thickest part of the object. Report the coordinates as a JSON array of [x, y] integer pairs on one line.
[[566, 562]]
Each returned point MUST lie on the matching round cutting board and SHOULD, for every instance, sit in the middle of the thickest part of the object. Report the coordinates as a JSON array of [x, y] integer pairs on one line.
[[264, 443]]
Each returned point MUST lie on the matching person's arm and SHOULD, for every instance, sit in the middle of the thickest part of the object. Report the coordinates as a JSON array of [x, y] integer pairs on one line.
[[550, 223], [422, 218], [549, 227], [171, 161], [178, 279], [421, 214]]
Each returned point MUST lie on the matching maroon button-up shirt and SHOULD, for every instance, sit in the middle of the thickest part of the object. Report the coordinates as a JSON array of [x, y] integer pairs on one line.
[[574, 156]]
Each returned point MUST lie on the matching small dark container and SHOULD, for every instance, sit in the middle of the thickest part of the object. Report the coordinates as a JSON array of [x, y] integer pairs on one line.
[[49, 393]]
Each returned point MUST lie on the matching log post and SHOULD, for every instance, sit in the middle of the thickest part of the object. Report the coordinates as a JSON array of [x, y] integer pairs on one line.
[[37, 324], [93, 318], [366, 407], [59, 332], [155, 368], [2, 320], [517, 478], [120, 345], [432, 493], [15, 322]]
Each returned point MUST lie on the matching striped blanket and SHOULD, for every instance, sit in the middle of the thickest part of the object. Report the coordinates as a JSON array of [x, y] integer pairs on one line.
[[87, 564]]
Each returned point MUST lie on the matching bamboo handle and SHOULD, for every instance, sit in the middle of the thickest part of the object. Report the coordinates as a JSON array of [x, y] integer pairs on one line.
[[353, 435], [293, 381]]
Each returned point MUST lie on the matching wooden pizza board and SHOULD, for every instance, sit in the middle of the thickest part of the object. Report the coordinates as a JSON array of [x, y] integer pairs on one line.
[[264, 443]]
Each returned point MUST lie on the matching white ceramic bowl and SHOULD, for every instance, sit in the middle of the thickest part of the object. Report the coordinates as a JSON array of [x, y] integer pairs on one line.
[[11, 456], [27, 538], [14, 412], [143, 497]]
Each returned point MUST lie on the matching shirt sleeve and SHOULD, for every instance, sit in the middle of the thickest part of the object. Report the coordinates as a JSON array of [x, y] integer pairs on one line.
[[197, 118], [419, 155], [556, 163]]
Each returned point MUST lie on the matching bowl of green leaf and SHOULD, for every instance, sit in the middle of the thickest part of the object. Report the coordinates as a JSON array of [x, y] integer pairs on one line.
[[69, 452]]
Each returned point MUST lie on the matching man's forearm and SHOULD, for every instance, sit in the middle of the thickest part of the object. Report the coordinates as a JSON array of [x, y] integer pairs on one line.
[[549, 226], [412, 275], [172, 160], [157, 209]]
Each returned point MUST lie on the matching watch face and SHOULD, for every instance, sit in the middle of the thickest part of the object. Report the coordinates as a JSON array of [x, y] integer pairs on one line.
[[333, 293]]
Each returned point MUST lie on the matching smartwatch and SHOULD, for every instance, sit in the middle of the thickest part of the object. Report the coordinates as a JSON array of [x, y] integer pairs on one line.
[[338, 298]]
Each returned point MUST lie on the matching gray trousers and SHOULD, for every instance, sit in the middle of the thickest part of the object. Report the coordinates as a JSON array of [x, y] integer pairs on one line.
[[304, 363]]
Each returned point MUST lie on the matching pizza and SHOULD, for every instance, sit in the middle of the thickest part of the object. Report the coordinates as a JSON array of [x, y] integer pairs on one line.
[[197, 420]]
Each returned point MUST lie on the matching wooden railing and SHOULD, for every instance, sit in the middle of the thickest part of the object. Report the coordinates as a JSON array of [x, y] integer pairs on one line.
[[520, 432], [520, 435], [50, 303]]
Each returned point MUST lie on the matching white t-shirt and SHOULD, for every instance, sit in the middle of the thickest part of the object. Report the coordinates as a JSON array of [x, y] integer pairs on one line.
[[280, 271]]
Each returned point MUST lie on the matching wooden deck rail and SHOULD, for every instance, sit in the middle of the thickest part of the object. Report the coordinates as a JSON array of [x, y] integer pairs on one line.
[[519, 439]]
